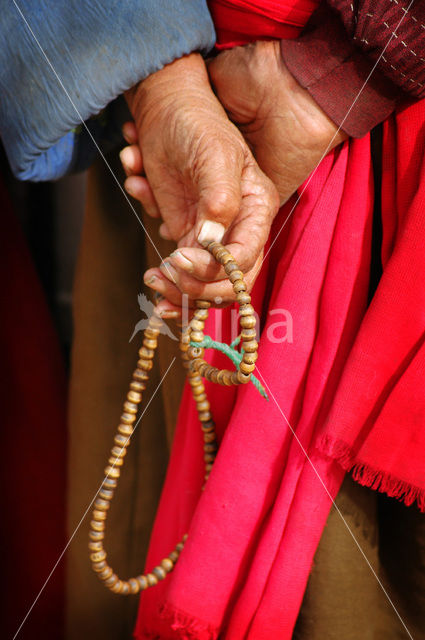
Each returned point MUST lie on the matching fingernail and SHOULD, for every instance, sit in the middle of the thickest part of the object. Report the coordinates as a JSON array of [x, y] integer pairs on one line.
[[168, 271], [127, 158], [149, 279], [167, 313], [182, 261], [211, 232]]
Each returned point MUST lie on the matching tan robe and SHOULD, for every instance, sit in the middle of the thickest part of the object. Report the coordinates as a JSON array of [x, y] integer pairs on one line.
[[343, 600]]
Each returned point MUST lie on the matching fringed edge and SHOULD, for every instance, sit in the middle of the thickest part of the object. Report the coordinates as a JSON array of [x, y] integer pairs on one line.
[[187, 627], [370, 477]]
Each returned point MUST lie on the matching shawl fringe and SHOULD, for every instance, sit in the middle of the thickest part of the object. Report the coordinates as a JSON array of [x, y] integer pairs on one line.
[[187, 627], [369, 476]]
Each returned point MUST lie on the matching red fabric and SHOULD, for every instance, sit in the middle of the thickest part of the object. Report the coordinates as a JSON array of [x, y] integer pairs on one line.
[[238, 22], [33, 423], [350, 384]]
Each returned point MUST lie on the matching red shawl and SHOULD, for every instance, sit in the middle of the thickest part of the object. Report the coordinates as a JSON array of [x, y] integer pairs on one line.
[[347, 381]]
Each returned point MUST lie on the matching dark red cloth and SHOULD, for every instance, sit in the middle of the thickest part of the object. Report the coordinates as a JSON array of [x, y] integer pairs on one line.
[[33, 436], [333, 59]]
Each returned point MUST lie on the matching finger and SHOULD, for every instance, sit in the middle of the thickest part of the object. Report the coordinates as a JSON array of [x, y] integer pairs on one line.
[[139, 188], [131, 160], [199, 263], [129, 132], [196, 289], [157, 281], [165, 232]]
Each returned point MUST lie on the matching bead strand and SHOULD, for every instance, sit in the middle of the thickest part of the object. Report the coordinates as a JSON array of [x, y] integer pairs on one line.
[[197, 369]]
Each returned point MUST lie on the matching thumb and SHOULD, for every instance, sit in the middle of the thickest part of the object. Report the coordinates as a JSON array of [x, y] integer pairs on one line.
[[220, 196]]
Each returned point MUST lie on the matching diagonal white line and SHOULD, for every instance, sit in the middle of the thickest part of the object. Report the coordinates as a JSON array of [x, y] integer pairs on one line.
[[335, 505], [85, 126], [393, 35], [90, 506]]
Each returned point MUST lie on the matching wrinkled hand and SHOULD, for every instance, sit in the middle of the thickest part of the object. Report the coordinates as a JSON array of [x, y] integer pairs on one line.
[[286, 129], [197, 170]]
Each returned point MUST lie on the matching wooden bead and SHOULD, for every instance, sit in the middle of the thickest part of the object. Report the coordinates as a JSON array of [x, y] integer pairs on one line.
[[174, 556], [117, 586], [248, 334], [140, 375], [209, 436], [243, 298], [203, 406], [118, 452], [230, 267], [134, 396], [99, 566], [145, 353], [180, 546], [197, 336], [99, 515], [201, 314], [207, 426], [250, 358], [97, 526], [110, 483], [138, 387], [167, 564], [145, 365], [106, 573], [250, 346], [239, 286], [133, 585], [143, 583], [101, 505], [125, 588], [127, 418], [203, 304], [120, 440], [246, 368], [115, 462], [214, 375], [152, 579], [247, 322], [208, 468], [235, 275], [159, 572], [235, 379], [98, 556], [149, 344], [106, 494], [112, 472], [210, 447], [204, 416], [197, 325], [96, 535], [243, 378], [125, 430], [209, 457], [246, 310], [195, 352], [151, 334], [96, 546]]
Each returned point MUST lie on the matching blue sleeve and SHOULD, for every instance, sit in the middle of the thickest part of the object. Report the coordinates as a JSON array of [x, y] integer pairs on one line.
[[63, 61]]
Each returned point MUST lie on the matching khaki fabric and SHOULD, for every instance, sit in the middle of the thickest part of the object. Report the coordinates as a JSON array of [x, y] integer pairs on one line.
[[114, 254], [344, 600]]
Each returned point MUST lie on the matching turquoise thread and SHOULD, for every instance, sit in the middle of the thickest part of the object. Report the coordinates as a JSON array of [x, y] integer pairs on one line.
[[233, 355]]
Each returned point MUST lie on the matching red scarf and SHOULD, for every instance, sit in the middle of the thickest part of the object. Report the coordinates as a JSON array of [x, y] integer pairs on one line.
[[350, 385]]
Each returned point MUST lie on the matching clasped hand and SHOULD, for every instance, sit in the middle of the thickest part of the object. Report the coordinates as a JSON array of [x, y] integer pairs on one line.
[[191, 160]]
